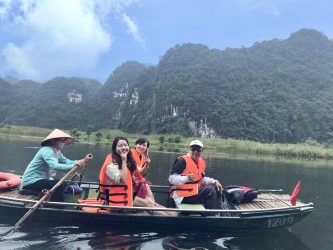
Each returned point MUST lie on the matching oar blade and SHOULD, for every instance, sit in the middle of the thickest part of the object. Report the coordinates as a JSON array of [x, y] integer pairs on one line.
[[7, 231]]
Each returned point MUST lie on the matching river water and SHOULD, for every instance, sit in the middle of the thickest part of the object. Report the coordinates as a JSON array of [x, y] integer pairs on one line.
[[314, 232]]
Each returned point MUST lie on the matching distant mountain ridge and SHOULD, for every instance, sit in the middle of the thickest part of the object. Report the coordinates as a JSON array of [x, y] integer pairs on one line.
[[274, 91]]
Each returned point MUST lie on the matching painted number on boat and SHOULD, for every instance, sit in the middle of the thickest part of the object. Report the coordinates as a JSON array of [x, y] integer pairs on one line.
[[280, 222]]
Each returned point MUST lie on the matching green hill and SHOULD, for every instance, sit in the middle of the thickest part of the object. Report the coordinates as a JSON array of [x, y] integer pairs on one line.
[[273, 91]]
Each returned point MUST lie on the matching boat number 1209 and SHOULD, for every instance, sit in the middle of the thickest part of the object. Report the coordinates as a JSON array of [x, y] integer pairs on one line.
[[280, 222]]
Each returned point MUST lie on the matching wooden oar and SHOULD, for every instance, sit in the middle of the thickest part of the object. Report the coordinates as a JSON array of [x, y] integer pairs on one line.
[[45, 197], [80, 175]]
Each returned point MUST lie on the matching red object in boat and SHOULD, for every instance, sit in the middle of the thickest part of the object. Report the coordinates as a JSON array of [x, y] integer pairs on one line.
[[8, 180], [293, 197]]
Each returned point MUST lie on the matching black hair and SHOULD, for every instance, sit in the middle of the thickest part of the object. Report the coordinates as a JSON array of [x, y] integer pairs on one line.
[[117, 158], [142, 141]]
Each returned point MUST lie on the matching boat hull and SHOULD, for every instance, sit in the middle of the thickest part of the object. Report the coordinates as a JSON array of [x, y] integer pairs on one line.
[[244, 222]]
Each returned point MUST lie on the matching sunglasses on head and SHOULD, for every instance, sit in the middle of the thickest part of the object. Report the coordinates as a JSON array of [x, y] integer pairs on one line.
[[196, 148]]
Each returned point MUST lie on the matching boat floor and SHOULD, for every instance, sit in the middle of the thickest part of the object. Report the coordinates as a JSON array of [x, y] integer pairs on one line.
[[263, 201], [14, 193]]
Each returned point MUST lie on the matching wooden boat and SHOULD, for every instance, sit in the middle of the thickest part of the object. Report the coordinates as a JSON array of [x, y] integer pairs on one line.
[[271, 209]]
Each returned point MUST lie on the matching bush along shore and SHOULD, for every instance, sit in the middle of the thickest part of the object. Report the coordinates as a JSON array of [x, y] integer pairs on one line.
[[217, 147]]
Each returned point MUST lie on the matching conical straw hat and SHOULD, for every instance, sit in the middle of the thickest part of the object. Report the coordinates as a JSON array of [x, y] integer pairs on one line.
[[57, 133]]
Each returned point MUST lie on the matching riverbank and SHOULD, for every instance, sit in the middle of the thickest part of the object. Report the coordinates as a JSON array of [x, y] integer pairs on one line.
[[175, 143]]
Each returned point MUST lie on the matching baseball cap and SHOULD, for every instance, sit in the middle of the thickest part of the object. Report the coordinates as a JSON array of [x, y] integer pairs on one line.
[[197, 143]]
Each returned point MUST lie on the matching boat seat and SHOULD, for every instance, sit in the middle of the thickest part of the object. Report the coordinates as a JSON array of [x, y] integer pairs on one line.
[[200, 208], [92, 201]]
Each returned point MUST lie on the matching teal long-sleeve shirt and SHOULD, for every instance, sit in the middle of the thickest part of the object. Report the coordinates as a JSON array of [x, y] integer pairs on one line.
[[43, 163]]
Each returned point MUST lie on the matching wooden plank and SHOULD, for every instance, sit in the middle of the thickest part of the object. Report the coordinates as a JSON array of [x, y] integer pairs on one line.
[[244, 206], [261, 205], [281, 200], [15, 194], [263, 196], [9, 193], [273, 204], [266, 204], [270, 196], [252, 205], [28, 197]]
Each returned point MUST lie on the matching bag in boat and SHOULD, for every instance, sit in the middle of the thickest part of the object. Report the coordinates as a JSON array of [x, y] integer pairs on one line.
[[73, 193], [74, 189], [240, 194]]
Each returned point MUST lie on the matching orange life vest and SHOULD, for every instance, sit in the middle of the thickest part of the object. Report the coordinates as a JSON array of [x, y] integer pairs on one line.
[[191, 188], [139, 162], [115, 193]]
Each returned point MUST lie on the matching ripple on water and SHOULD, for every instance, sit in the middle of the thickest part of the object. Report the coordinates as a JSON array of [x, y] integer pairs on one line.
[[19, 240]]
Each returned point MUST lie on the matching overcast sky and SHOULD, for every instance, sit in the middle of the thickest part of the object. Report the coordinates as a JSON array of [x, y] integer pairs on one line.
[[42, 39]]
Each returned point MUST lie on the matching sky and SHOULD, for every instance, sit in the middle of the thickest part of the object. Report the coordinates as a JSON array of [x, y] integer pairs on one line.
[[43, 39]]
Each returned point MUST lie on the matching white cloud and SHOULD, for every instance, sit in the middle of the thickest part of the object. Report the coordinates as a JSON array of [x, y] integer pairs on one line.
[[132, 27], [4, 7], [131, 24], [270, 6], [17, 58], [57, 37]]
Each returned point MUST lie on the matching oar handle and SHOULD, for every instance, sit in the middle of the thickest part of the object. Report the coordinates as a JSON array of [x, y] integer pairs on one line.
[[86, 159], [72, 171]]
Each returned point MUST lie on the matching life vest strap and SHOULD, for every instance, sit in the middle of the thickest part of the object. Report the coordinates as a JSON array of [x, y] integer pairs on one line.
[[119, 194], [115, 186], [183, 189], [106, 197], [118, 202]]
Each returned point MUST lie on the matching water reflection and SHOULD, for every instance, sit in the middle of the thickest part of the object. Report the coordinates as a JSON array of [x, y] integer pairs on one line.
[[117, 240], [73, 237], [277, 239]]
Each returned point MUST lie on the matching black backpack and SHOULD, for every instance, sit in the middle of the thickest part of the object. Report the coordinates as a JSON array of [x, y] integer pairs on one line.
[[240, 194]]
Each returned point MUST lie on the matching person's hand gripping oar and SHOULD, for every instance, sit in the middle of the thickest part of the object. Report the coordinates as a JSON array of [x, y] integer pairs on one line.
[[80, 175]]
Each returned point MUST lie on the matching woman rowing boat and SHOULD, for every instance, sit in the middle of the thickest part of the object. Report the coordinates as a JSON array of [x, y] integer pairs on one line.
[[40, 173]]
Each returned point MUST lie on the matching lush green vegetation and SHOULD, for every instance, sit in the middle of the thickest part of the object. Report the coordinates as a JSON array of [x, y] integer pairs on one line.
[[175, 143], [277, 91], [24, 131]]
